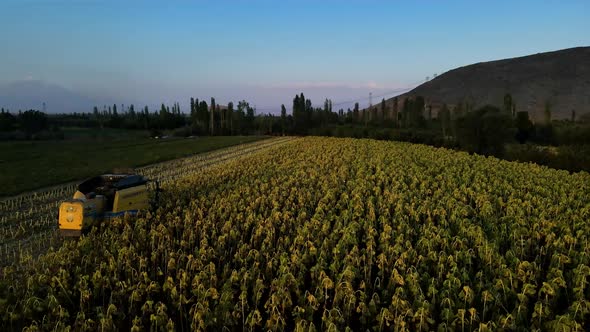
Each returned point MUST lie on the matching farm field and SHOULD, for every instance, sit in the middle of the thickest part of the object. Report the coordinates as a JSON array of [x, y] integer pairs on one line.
[[28, 222], [326, 234], [79, 133], [29, 165]]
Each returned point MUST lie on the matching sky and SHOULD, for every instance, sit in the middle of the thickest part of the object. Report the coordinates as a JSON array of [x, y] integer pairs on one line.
[[148, 52]]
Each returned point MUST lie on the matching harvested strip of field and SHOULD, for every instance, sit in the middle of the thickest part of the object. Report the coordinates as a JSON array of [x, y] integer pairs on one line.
[[28, 222], [31, 165]]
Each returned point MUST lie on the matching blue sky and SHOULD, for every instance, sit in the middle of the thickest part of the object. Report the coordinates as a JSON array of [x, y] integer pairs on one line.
[[266, 51]]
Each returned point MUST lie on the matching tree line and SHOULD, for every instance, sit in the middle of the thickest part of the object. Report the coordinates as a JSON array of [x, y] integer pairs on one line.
[[203, 119], [485, 130], [28, 122]]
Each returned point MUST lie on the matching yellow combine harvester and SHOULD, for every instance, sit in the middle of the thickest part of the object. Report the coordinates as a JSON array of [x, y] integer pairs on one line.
[[103, 197]]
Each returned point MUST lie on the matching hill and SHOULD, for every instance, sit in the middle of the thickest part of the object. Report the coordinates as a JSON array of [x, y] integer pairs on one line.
[[560, 78]]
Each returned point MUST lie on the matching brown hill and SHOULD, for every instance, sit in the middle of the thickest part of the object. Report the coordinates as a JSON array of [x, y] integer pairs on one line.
[[560, 78]]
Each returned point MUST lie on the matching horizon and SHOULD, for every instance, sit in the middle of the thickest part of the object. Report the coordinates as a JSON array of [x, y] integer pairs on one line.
[[115, 53]]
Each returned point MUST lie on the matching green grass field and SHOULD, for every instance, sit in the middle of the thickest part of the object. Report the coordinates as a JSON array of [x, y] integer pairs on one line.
[[102, 134], [35, 164]]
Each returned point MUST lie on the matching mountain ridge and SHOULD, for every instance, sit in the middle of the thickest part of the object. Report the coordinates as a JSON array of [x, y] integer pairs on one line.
[[560, 79]]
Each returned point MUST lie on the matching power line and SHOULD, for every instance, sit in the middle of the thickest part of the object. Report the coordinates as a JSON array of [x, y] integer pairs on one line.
[[350, 101], [365, 98]]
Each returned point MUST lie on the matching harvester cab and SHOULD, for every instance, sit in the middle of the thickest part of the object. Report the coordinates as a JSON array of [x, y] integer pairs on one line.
[[101, 198]]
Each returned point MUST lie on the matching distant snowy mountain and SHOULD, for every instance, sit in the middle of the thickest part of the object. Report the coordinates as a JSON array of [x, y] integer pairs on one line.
[[31, 94]]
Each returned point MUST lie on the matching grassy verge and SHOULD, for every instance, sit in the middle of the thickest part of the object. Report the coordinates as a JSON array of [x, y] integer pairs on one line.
[[36, 164], [103, 134], [573, 158]]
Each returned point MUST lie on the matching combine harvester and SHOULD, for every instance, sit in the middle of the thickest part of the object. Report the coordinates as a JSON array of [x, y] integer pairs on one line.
[[103, 197]]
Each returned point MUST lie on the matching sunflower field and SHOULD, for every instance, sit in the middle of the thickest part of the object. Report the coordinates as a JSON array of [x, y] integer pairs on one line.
[[328, 234]]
